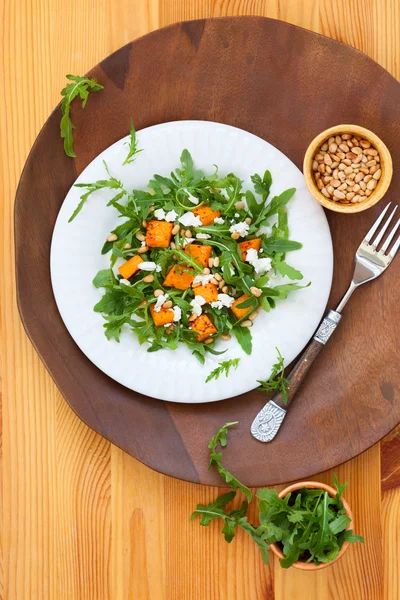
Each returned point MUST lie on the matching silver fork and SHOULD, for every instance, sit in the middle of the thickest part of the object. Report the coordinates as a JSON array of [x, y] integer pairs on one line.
[[369, 264]]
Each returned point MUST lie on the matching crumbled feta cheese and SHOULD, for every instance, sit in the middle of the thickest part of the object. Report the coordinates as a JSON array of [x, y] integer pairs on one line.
[[143, 243], [187, 241], [261, 251], [223, 300], [125, 281], [177, 313], [203, 279], [188, 219], [251, 255], [261, 265], [236, 215], [159, 214], [241, 228], [149, 266], [171, 216], [196, 304], [160, 301], [219, 220], [203, 236], [192, 198]]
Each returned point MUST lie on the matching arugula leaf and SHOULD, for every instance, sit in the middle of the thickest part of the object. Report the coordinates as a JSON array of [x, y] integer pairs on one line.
[[262, 186], [101, 184], [277, 380], [80, 86], [284, 290], [104, 278], [278, 201], [215, 460], [132, 146], [223, 367], [243, 336], [280, 246], [114, 325], [285, 269]]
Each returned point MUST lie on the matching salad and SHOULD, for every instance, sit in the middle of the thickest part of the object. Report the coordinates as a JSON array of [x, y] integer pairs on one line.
[[194, 258]]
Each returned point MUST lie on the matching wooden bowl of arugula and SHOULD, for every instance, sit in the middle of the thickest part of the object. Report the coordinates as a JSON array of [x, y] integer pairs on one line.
[[320, 515]]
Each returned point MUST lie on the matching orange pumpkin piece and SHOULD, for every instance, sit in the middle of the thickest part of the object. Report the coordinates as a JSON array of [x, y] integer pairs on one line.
[[200, 253], [164, 316], [209, 291], [248, 244], [206, 214], [130, 267], [158, 234], [179, 277], [204, 327], [241, 312]]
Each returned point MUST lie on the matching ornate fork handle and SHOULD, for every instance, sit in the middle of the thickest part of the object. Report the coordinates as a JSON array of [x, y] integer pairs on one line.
[[268, 421]]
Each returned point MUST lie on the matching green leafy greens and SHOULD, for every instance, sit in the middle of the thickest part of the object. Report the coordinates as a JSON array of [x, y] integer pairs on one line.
[[132, 146], [79, 86], [277, 381], [223, 367], [308, 525]]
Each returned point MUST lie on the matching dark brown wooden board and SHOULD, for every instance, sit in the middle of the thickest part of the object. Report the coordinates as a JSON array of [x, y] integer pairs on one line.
[[284, 84]]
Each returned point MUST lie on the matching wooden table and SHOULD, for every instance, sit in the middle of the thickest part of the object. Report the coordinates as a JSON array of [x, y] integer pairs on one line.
[[81, 519]]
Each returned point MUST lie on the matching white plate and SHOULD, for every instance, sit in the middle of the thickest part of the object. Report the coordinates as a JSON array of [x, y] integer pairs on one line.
[[175, 375]]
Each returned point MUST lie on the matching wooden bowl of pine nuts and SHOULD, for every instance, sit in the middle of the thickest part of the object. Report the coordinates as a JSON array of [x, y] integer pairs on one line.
[[347, 168]]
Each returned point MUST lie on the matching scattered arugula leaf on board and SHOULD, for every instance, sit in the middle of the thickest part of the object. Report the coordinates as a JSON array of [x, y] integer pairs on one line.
[[308, 524], [79, 86], [215, 460], [223, 367], [277, 381], [132, 146]]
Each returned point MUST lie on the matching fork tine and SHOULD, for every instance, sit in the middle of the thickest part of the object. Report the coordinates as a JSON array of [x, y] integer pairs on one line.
[[376, 224], [378, 238], [396, 246], [390, 237]]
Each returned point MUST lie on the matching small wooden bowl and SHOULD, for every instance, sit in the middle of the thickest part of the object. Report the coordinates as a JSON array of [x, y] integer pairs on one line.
[[332, 492], [386, 166]]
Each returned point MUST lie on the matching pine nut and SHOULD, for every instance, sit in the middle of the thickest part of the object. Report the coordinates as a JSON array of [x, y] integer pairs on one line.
[[342, 187], [365, 144], [368, 192], [167, 304], [112, 237], [347, 161], [338, 140], [172, 245], [225, 289], [359, 177], [356, 188], [344, 147], [255, 291], [342, 166], [371, 152], [226, 336], [324, 147], [158, 293], [358, 159], [328, 169], [239, 205], [216, 261], [151, 208], [327, 159], [320, 184], [335, 164], [364, 170], [175, 230], [192, 317], [246, 323], [144, 223], [197, 284], [182, 232], [335, 183], [142, 249], [247, 220], [351, 155], [127, 246], [331, 140], [341, 176], [356, 198], [319, 157], [333, 147], [235, 235], [340, 155], [373, 170], [221, 284], [367, 178], [321, 168], [139, 236], [348, 171], [339, 195], [209, 341], [253, 315], [377, 174], [325, 192], [350, 196], [214, 281], [346, 136], [327, 179], [315, 165], [330, 189], [211, 262], [217, 276], [371, 185], [206, 271], [357, 150], [371, 163], [363, 185], [148, 278], [188, 233]]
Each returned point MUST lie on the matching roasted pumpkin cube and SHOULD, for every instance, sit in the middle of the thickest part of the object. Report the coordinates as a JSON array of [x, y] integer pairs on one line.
[[164, 316], [179, 277], [158, 234], [204, 327], [209, 291], [241, 312], [206, 214], [130, 267], [201, 253], [248, 244]]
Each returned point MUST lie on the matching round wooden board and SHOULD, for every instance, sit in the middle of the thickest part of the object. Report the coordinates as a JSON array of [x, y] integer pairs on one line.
[[284, 84]]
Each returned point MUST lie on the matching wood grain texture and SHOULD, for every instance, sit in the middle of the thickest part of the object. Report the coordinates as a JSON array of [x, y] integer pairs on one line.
[[42, 40]]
